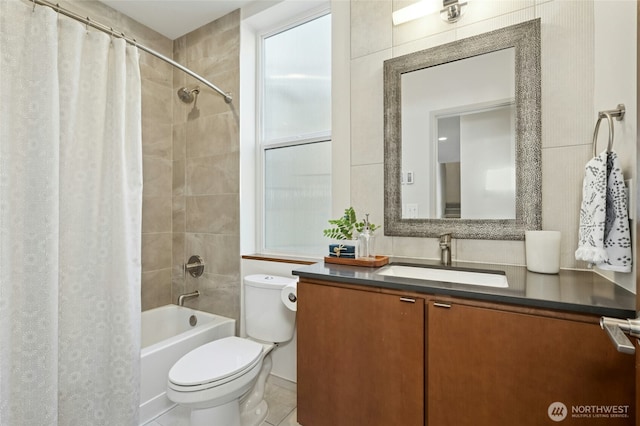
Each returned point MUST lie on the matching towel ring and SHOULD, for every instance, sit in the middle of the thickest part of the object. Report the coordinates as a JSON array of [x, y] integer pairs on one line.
[[618, 114], [595, 133]]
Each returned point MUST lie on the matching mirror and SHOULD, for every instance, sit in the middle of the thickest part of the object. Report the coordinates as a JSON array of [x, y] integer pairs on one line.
[[463, 137]]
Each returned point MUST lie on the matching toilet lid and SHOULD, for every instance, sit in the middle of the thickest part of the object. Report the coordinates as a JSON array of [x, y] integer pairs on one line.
[[215, 361]]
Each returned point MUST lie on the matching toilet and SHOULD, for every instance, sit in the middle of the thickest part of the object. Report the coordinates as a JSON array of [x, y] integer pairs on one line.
[[222, 382]]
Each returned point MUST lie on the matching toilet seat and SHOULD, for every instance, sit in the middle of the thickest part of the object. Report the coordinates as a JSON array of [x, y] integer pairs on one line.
[[214, 364]]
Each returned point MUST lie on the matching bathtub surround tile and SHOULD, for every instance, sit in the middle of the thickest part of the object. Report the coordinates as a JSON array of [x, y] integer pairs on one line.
[[178, 285], [157, 176], [156, 288], [206, 168], [179, 214], [219, 294], [215, 38], [212, 135], [178, 174], [221, 253], [156, 214], [179, 141], [156, 251], [156, 70], [156, 102], [215, 214], [179, 253], [218, 174], [157, 140]]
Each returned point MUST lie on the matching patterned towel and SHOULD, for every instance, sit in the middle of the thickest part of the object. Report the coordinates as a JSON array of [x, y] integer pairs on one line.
[[604, 235]]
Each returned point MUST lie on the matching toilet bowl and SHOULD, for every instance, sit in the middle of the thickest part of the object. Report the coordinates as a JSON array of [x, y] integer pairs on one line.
[[222, 382]]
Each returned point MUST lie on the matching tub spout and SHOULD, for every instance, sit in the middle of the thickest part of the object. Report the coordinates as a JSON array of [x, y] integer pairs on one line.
[[187, 296]]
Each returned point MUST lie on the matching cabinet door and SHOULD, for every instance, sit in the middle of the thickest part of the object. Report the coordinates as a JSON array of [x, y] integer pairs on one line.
[[495, 368], [360, 358]]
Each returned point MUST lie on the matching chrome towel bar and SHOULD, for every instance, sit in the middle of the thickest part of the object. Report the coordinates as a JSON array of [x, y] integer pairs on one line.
[[618, 113]]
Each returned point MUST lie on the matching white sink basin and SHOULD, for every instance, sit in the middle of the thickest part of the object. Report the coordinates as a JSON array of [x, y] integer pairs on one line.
[[486, 279]]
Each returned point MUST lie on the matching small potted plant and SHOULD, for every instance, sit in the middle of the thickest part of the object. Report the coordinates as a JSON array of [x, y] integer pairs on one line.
[[346, 229]]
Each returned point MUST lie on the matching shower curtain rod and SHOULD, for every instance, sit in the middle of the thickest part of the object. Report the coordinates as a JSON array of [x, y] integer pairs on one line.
[[111, 31]]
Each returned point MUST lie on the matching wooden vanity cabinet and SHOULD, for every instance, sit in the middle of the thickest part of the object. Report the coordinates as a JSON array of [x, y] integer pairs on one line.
[[366, 357], [360, 357], [489, 367]]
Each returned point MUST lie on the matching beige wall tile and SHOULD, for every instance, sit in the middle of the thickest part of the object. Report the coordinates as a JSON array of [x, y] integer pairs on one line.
[[179, 141], [157, 176], [179, 253], [156, 214], [218, 174], [156, 70], [156, 289], [156, 102], [156, 139], [212, 135], [179, 212], [219, 294], [216, 214], [179, 177], [221, 253], [156, 251]]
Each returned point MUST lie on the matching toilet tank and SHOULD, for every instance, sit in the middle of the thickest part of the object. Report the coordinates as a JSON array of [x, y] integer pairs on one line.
[[266, 316]]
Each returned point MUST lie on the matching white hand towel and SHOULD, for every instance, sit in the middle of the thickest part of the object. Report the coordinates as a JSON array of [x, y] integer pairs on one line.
[[604, 235]]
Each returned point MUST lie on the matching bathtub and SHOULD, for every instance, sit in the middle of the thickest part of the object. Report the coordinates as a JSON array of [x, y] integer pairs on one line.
[[167, 336]]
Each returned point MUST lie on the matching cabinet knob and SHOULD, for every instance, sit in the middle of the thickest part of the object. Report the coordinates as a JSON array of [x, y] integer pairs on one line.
[[407, 299], [441, 305]]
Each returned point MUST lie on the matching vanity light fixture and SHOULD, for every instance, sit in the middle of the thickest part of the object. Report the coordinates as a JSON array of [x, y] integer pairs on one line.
[[451, 11]]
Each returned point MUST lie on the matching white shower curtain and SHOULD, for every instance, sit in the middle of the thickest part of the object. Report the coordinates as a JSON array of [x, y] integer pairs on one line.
[[70, 217]]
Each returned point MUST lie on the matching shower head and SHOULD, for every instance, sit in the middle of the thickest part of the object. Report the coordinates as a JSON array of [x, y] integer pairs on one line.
[[188, 95]]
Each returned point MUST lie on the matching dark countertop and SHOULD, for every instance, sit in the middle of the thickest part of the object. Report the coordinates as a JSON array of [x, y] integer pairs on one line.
[[570, 290]]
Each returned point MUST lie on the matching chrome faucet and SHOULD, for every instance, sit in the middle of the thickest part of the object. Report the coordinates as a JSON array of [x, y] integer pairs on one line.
[[445, 249], [187, 296]]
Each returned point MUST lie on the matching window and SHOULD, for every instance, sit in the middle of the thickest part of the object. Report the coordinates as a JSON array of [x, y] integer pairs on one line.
[[295, 137]]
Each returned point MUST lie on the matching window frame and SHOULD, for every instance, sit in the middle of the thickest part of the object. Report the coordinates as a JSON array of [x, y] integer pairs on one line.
[[261, 145]]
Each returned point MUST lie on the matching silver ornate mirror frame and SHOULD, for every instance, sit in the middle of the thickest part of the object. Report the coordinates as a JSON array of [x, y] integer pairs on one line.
[[525, 38]]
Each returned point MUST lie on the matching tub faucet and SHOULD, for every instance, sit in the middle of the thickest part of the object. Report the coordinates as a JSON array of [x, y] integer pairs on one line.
[[445, 249], [187, 296]]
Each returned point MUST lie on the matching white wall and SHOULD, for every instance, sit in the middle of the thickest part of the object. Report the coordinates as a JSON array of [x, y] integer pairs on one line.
[[588, 64]]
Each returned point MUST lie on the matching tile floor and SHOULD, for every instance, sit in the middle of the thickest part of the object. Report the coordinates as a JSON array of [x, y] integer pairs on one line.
[[282, 409]]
